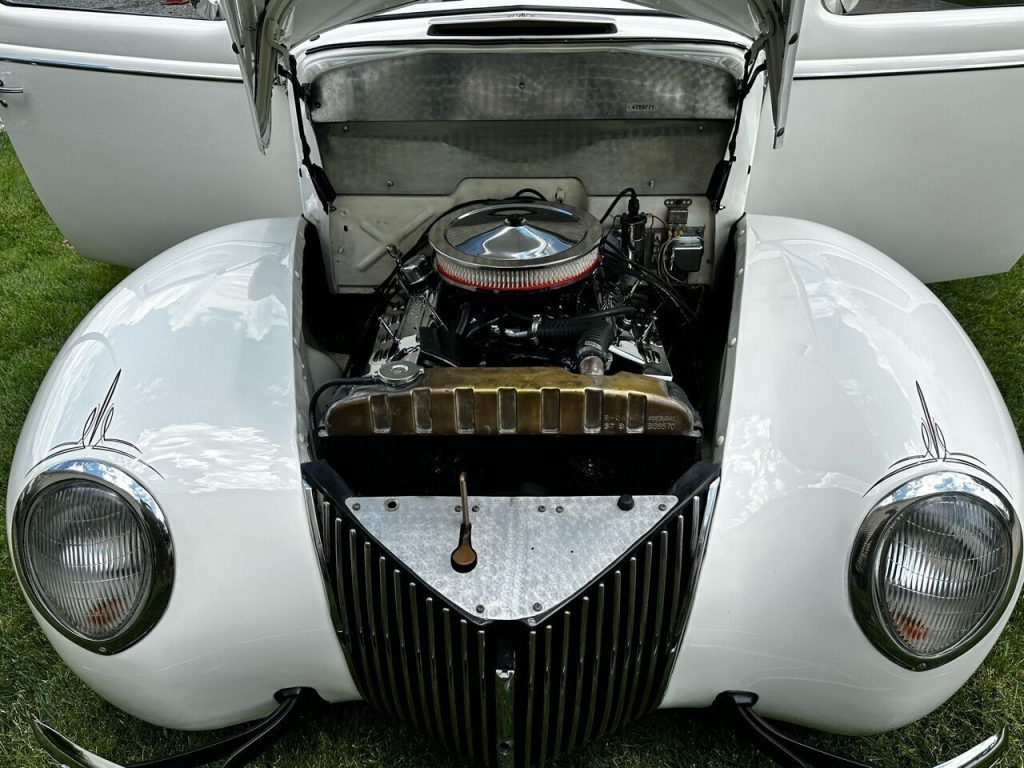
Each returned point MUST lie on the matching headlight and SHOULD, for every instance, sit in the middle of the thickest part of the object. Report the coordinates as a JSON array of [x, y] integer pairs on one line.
[[934, 567], [94, 554]]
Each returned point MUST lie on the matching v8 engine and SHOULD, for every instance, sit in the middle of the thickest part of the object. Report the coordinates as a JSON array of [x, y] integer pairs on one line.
[[521, 319]]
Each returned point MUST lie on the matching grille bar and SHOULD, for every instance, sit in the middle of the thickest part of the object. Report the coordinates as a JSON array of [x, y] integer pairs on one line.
[[515, 692]]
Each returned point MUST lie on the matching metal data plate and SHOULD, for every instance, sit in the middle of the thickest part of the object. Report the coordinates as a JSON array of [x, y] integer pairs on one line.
[[531, 556]]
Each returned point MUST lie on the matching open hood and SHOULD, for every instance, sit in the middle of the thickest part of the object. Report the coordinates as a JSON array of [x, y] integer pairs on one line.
[[263, 30]]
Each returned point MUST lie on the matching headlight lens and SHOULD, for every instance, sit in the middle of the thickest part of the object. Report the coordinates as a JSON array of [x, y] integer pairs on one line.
[[94, 554], [934, 567]]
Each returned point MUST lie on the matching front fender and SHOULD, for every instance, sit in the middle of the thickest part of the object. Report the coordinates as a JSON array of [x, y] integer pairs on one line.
[[199, 351], [829, 346]]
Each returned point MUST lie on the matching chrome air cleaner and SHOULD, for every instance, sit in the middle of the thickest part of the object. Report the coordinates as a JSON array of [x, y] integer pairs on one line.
[[515, 246]]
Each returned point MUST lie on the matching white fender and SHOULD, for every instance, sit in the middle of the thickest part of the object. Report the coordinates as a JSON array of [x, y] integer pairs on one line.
[[210, 397], [830, 342]]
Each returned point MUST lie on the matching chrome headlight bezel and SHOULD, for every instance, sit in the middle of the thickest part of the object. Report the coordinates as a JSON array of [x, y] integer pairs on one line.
[[153, 523], [866, 565]]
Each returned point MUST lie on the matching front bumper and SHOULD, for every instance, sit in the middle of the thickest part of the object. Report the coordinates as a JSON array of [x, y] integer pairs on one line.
[[792, 753], [240, 749]]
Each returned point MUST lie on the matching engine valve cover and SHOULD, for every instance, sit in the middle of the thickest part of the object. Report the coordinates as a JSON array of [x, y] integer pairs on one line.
[[514, 401]]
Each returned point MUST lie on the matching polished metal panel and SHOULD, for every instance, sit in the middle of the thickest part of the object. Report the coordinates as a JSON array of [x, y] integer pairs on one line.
[[867, 568], [152, 526], [572, 665], [532, 550], [672, 157], [466, 401], [534, 84]]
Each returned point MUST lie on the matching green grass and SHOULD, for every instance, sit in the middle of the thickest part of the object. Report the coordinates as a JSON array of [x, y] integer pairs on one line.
[[45, 289]]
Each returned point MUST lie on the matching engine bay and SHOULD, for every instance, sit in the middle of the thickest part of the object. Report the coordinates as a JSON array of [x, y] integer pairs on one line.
[[542, 346], [520, 257]]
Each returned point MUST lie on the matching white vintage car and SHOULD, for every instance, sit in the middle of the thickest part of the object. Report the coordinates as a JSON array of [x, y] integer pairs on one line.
[[518, 418]]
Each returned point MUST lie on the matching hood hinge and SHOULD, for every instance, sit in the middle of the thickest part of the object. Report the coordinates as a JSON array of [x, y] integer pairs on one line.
[[720, 175], [317, 175]]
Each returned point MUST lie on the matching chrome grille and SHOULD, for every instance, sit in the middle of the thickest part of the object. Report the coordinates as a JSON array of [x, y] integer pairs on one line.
[[513, 693]]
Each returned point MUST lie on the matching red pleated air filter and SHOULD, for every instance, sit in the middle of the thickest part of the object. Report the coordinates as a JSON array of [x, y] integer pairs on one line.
[[515, 246]]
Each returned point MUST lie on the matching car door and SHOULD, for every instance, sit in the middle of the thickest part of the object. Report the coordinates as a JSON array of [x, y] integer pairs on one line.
[[135, 130], [905, 129]]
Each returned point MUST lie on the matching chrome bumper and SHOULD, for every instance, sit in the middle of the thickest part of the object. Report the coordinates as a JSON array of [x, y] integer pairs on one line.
[[233, 751], [790, 752], [987, 754]]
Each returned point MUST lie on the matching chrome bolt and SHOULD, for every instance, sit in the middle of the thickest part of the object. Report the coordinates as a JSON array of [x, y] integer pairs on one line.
[[537, 606], [479, 609], [357, 506], [559, 510], [542, 508]]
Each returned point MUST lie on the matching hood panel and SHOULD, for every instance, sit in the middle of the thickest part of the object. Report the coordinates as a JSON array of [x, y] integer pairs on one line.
[[265, 30]]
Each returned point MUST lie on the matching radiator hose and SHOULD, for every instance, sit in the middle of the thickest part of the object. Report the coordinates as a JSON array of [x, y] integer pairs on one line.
[[594, 333]]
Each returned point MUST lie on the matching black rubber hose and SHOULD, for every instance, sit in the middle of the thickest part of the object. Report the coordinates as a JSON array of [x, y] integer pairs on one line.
[[596, 340], [566, 329]]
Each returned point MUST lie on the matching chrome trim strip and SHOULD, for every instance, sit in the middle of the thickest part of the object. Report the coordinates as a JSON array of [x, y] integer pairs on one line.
[[318, 511], [588, 732], [919, 70], [505, 706], [531, 673], [154, 525], [360, 632], [80, 65], [581, 663], [545, 710], [685, 605], [865, 563], [464, 685], [700, 549]]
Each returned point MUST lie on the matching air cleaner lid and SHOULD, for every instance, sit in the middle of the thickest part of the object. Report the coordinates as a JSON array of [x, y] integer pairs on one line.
[[515, 235]]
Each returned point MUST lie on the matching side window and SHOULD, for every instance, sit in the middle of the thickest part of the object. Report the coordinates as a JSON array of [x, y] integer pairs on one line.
[[863, 7], [186, 9]]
